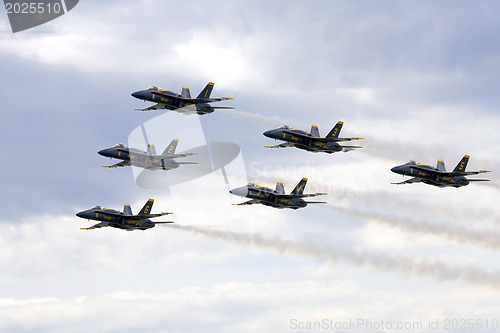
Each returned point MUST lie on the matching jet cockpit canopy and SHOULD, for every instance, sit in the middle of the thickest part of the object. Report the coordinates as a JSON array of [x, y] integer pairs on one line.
[[120, 145], [153, 88], [284, 127], [97, 207]]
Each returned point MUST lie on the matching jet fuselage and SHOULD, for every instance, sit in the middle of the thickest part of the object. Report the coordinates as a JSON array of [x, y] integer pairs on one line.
[[116, 219], [430, 178], [139, 158], [268, 197], [309, 143]]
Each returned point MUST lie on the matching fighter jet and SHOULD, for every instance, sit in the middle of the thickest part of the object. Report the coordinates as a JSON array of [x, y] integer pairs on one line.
[[145, 159], [310, 141], [126, 220], [182, 103], [275, 198], [438, 176]]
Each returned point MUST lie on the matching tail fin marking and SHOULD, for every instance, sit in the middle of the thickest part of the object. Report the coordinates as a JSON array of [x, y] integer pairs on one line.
[[334, 133], [170, 150], [205, 93], [462, 164], [299, 189], [147, 207]]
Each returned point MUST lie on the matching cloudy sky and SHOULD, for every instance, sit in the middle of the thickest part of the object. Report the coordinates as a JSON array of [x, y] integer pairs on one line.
[[418, 80]]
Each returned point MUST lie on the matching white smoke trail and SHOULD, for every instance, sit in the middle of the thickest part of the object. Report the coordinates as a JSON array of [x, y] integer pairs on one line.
[[439, 270], [272, 121], [488, 237]]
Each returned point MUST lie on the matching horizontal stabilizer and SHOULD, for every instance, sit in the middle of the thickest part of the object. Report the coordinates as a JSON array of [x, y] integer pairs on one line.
[[479, 180]]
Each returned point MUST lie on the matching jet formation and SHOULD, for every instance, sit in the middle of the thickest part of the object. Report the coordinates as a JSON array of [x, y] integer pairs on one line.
[[183, 102], [122, 220], [310, 141], [276, 198], [145, 159], [437, 176]]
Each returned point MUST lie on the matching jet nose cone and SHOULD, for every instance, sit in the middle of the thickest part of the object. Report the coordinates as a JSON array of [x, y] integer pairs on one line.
[[108, 152], [397, 169], [270, 134], [240, 191], [81, 214], [136, 94]]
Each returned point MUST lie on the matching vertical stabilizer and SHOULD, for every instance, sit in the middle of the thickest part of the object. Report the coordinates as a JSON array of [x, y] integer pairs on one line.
[[440, 165], [315, 130], [462, 164], [147, 207], [334, 133], [185, 92], [127, 210], [205, 93], [280, 188], [170, 150], [299, 189], [151, 149]]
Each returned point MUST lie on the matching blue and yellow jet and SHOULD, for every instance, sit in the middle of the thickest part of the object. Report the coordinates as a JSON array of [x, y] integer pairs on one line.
[[122, 220], [275, 198], [145, 159], [182, 103], [437, 176], [310, 141]]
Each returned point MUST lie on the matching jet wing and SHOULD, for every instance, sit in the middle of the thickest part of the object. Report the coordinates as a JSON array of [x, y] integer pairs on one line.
[[164, 222], [283, 145], [448, 174], [121, 164], [98, 225], [154, 107], [320, 139], [410, 181], [249, 202], [291, 196], [181, 155], [146, 216], [346, 149], [343, 139], [157, 215], [208, 100]]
